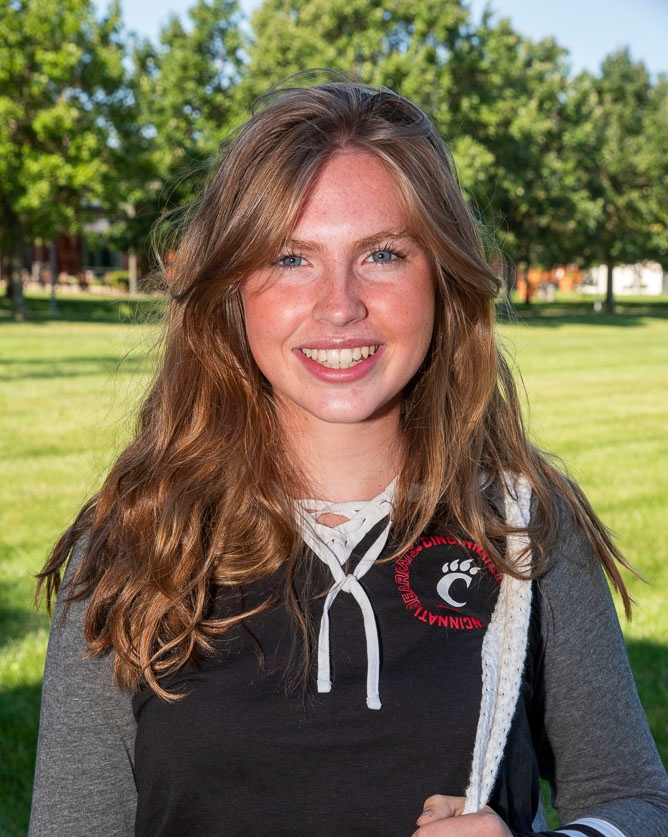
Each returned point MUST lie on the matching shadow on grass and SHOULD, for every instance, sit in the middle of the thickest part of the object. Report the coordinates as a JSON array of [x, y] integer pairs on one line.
[[19, 721], [73, 367], [629, 313], [18, 617], [649, 662], [89, 308]]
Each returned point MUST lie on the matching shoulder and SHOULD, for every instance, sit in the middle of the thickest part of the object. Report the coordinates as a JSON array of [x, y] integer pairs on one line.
[[582, 638], [572, 578]]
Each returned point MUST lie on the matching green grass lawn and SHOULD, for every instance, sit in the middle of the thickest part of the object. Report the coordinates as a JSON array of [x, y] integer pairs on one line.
[[599, 399], [66, 390]]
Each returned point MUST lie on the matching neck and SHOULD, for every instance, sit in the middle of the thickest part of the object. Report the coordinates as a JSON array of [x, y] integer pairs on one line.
[[344, 462]]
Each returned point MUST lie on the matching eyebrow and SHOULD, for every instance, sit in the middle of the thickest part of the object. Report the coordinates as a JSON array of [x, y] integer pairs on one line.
[[361, 244]]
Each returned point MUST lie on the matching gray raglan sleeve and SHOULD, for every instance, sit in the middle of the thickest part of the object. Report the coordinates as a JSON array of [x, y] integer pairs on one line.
[[84, 774], [602, 757]]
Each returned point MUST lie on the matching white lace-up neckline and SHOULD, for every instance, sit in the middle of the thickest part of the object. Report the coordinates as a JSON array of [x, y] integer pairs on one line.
[[334, 546]]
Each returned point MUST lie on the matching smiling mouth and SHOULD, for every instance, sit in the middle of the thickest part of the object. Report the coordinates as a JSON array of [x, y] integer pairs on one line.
[[340, 358]]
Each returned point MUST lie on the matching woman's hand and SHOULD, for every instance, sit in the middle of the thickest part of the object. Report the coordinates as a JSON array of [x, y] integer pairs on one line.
[[442, 817]]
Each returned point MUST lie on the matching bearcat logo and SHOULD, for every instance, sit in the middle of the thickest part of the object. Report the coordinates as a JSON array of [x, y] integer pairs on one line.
[[455, 571], [447, 583]]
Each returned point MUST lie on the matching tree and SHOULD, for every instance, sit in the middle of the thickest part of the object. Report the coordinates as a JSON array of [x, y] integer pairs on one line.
[[622, 164], [186, 91], [58, 71], [508, 103], [180, 103], [400, 44], [653, 161]]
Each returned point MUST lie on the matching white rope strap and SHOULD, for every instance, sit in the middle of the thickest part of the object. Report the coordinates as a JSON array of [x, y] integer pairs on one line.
[[503, 654]]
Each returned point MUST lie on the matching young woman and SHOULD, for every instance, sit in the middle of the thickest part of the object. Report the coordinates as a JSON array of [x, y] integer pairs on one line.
[[330, 576]]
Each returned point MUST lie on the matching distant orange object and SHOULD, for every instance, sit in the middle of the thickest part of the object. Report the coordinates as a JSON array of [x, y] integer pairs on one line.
[[564, 277]]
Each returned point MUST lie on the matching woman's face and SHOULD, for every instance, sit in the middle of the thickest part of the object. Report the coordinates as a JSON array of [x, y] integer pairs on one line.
[[341, 319]]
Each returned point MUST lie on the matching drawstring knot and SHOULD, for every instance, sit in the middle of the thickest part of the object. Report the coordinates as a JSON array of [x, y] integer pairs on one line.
[[334, 546]]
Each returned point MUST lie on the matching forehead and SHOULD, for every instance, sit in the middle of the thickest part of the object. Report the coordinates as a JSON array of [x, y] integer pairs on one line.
[[354, 193]]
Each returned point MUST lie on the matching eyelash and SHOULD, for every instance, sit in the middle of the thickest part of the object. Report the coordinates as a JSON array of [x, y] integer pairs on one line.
[[285, 256], [389, 248], [397, 254]]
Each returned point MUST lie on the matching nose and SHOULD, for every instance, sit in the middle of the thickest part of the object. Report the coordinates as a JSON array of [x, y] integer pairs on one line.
[[339, 298]]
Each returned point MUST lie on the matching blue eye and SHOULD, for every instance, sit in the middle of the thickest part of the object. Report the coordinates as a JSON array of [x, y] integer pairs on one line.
[[291, 261], [381, 256]]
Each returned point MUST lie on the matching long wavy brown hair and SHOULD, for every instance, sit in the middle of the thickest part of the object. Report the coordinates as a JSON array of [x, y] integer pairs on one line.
[[196, 503]]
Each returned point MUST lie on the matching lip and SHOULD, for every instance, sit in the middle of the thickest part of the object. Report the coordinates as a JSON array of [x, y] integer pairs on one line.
[[339, 376]]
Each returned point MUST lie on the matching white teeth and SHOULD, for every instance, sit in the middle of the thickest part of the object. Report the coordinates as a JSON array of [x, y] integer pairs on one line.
[[340, 358]]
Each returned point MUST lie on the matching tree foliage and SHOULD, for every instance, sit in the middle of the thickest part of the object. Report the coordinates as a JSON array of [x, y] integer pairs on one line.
[[616, 137], [184, 97], [187, 87], [507, 137], [563, 169], [60, 74], [399, 44]]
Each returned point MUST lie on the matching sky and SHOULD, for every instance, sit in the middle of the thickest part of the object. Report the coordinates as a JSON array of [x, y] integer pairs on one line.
[[589, 29]]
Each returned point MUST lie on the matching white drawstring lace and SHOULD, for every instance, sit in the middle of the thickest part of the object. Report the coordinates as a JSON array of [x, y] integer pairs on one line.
[[334, 545]]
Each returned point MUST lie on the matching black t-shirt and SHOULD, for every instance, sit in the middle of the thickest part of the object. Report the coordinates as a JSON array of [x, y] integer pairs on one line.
[[242, 753]]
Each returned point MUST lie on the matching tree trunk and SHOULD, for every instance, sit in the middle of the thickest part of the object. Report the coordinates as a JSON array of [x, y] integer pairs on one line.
[[525, 262], [6, 272], [53, 302], [132, 270], [15, 284], [609, 295]]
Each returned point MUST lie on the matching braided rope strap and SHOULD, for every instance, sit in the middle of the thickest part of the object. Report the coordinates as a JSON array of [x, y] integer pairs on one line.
[[503, 654]]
